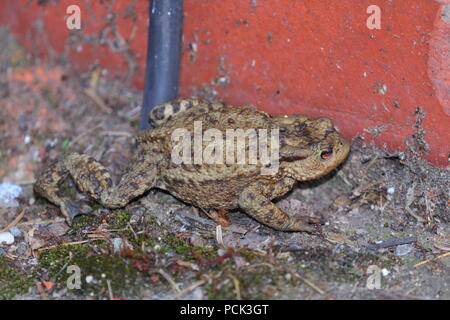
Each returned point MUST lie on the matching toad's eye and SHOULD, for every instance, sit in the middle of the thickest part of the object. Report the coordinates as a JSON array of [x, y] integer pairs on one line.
[[326, 154]]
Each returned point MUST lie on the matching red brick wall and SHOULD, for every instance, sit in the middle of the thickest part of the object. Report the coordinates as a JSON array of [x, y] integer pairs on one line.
[[316, 57]]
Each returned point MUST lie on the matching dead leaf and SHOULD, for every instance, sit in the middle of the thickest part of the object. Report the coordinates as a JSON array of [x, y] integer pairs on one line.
[[48, 285], [220, 217], [442, 243]]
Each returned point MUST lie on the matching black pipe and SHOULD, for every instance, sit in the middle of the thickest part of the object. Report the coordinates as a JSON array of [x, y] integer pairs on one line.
[[163, 55]]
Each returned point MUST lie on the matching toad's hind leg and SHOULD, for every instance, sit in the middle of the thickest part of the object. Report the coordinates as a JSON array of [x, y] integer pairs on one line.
[[262, 209], [93, 178]]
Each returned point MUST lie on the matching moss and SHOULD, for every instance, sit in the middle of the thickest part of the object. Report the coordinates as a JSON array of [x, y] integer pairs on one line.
[[54, 260], [96, 206], [84, 221], [255, 283], [123, 277], [187, 252], [138, 240], [223, 290], [119, 219], [12, 281], [152, 221], [261, 284], [170, 243], [343, 267], [250, 256]]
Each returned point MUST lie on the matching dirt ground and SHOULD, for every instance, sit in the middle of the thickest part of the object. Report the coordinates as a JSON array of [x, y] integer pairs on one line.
[[387, 214]]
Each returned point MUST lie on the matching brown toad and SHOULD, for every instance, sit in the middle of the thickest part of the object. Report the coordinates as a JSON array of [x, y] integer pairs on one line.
[[308, 149]]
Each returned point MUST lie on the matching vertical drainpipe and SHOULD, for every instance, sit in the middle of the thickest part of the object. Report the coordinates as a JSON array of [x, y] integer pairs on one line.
[[163, 55]]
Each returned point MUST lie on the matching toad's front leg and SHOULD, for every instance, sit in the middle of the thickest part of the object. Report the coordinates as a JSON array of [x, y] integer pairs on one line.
[[261, 208], [93, 178]]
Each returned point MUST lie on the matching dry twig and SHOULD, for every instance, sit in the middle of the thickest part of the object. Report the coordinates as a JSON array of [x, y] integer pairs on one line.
[[191, 288], [14, 222], [41, 290], [432, 259], [110, 292], [392, 243], [49, 221], [237, 288], [169, 279], [68, 244], [370, 165], [219, 236], [116, 133], [309, 283]]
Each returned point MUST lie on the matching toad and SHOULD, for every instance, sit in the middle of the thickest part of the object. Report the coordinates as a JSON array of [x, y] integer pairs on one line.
[[306, 149]]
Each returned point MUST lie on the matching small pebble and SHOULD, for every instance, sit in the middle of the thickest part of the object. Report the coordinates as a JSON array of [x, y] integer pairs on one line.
[[196, 240], [221, 252], [134, 219], [385, 272], [240, 261], [197, 294], [403, 250], [391, 190], [15, 231], [6, 237], [89, 279], [118, 244], [8, 194], [21, 248]]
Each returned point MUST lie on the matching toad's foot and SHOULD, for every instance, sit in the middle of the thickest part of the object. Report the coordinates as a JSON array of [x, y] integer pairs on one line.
[[306, 223], [262, 209], [93, 178]]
